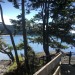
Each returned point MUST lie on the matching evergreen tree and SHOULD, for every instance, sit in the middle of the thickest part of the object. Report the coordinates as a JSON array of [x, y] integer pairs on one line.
[[11, 36], [59, 11], [62, 15], [24, 32]]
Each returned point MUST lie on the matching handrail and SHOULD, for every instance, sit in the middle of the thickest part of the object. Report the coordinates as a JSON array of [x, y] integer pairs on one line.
[[57, 71], [46, 70]]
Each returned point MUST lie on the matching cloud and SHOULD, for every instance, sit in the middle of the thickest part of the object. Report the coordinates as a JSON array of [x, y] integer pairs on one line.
[[6, 20]]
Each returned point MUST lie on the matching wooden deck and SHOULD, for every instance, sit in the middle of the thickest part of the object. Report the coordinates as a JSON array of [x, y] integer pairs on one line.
[[66, 68]]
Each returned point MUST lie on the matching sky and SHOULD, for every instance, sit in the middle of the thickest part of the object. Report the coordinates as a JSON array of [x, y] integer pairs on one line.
[[9, 12]]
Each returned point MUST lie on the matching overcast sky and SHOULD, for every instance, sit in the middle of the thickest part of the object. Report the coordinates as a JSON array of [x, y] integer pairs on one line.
[[9, 12]]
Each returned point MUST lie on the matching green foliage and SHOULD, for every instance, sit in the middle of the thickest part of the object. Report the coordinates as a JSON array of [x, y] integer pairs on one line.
[[58, 45], [17, 24], [2, 42], [52, 43], [15, 2], [37, 39], [62, 15], [20, 46]]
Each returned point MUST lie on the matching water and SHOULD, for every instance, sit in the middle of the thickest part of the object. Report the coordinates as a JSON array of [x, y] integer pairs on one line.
[[35, 46]]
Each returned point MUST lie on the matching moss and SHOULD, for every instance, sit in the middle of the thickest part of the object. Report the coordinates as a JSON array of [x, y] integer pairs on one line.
[[12, 67]]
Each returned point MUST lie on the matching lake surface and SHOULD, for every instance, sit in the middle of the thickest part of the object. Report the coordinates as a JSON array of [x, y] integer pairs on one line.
[[35, 46]]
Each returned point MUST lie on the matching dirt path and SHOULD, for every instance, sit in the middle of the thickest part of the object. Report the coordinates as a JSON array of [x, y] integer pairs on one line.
[[3, 66], [3, 69]]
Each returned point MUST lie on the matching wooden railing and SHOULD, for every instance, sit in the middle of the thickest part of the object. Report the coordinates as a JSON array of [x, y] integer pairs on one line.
[[57, 71], [49, 67]]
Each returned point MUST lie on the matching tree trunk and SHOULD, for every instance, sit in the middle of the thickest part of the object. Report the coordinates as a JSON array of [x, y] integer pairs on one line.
[[25, 38], [45, 31], [11, 56]]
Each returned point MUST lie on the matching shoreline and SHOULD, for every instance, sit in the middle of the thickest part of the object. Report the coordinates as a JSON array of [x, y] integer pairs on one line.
[[5, 63]]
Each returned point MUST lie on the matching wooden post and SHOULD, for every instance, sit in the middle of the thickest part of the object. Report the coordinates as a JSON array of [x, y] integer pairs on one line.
[[43, 60], [70, 54]]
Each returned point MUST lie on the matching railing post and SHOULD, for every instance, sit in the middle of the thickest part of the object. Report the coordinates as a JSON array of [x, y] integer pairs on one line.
[[60, 69], [43, 60], [70, 54]]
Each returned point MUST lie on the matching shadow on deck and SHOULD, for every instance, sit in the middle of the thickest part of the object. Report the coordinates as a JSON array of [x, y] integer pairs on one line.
[[67, 69]]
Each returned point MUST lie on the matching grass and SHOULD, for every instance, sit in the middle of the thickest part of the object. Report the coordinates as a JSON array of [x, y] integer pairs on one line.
[[13, 66]]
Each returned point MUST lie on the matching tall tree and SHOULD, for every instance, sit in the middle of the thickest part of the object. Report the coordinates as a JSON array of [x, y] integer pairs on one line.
[[58, 11], [11, 36], [16, 5], [59, 27], [45, 29], [25, 37]]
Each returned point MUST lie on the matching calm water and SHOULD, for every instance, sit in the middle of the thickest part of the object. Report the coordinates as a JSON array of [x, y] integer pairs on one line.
[[35, 46]]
